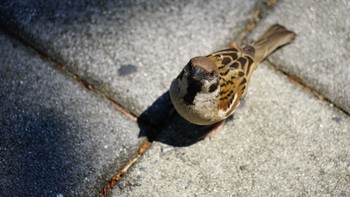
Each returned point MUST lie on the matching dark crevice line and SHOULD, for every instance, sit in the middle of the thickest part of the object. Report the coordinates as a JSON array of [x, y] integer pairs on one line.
[[121, 109], [261, 10], [117, 177], [24, 42], [296, 80]]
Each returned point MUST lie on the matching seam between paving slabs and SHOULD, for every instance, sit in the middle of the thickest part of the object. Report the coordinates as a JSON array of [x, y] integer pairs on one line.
[[260, 11], [116, 178], [296, 80]]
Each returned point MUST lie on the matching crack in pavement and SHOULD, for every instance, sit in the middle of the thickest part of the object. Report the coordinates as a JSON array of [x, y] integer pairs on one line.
[[116, 178], [296, 80]]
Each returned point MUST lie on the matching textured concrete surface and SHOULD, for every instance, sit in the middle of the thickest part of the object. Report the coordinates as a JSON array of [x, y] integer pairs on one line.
[[320, 55], [55, 137], [283, 142], [125, 48]]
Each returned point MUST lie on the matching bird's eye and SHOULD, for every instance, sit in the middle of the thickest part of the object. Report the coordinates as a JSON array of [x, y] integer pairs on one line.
[[211, 74], [189, 68]]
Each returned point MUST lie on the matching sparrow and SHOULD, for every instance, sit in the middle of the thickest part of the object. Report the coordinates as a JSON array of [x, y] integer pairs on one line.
[[209, 88]]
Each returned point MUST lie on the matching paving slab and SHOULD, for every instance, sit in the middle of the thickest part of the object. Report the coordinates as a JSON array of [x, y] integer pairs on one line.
[[56, 139], [282, 142], [320, 55], [130, 50]]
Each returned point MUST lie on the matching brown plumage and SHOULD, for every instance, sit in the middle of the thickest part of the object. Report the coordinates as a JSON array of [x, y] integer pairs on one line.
[[210, 87]]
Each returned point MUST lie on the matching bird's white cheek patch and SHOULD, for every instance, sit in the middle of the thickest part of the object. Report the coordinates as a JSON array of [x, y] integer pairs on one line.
[[205, 104]]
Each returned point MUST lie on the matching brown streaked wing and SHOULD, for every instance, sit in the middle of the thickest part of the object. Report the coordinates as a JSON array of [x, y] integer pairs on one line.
[[231, 85], [233, 65], [243, 74]]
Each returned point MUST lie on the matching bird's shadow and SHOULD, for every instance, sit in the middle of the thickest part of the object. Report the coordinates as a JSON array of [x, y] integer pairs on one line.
[[160, 122]]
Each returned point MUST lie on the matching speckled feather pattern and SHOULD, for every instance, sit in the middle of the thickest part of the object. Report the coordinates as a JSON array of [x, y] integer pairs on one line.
[[235, 68]]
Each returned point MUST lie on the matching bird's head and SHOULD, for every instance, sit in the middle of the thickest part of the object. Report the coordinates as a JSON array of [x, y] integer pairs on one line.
[[201, 71], [200, 75]]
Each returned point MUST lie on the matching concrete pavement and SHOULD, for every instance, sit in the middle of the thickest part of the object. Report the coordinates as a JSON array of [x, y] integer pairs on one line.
[[283, 141]]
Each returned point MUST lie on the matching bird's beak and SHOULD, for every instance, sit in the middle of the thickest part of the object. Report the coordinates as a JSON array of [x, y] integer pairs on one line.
[[197, 73]]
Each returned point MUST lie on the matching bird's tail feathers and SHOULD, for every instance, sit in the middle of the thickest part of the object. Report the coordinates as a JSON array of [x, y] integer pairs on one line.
[[275, 37]]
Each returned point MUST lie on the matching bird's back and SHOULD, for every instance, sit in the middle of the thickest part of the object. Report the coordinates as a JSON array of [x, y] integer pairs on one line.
[[235, 67]]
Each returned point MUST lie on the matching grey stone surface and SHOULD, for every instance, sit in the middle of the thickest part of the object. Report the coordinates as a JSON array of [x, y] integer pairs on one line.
[[320, 55], [282, 142], [129, 49], [56, 139]]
